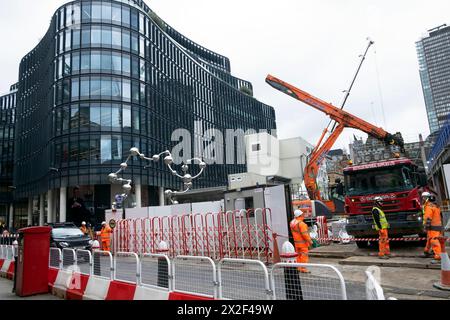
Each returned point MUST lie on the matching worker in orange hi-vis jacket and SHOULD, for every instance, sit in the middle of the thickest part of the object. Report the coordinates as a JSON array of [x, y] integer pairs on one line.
[[302, 238], [432, 220], [105, 237]]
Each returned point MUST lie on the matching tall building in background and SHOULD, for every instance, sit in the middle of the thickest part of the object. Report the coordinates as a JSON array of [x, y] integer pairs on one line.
[[107, 76], [433, 51], [7, 120]]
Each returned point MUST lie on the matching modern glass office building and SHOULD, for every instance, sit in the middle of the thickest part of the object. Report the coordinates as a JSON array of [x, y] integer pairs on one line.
[[111, 75], [7, 120], [433, 52]]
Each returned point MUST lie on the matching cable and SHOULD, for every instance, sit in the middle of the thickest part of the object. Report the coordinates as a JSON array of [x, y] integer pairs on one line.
[[380, 92]]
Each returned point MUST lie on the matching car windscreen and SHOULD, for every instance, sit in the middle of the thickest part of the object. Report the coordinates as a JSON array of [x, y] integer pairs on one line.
[[66, 232]]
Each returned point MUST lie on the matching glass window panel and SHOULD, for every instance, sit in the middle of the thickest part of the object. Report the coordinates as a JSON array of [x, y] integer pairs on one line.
[[86, 11], [116, 37], [135, 67], [84, 116], [85, 61], [125, 16], [117, 63], [76, 38], [116, 14], [75, 89], [106, 87], [134, 19], [85, 37], [95, 149], [84, 150], [135, 92], [106, 116], [126, 40], [136, 121], [84, 88], [74, 151], [68, 15], [141, 23], [142, 70], [68, 40], [127, 117], [126, 66], [74, 117], [95, 117], [142, 46], [96, 35], [105, 148], [60, 67], [106, 61], [116, 117], [95, 87], [126, 90], [65, 118], [96, 11], [116, 148], [61, 18], [66, 90], [134, 43], [117, 89], [67, 63], [76, 13], [96, 61], [106, 11], [106, 36]]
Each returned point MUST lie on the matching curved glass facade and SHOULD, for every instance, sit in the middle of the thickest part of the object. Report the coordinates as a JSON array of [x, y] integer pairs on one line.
[[110, 75]]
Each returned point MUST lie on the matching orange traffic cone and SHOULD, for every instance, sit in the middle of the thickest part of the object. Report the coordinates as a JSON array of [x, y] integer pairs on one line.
[[445, 273]]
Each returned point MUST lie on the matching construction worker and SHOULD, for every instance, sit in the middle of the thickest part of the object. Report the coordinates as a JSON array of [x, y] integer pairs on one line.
[[105, 237], [381, 225], [432, 220], [302, 238], [84, 228]]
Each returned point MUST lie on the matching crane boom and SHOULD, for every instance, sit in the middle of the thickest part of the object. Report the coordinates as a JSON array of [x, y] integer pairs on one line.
[[342, 117], [344, 120]]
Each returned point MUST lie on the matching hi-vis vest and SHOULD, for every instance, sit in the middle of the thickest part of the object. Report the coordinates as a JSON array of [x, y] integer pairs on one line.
[[300, 233], [383, 221]]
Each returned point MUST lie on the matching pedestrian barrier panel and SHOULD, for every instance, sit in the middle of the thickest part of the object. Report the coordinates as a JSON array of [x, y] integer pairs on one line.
[[52, 275], [6, 267], [126, 267], [195, 275], [323, 282], [69, 259], [62, 283], [373, 288], [55, 258], [10, 252], [84, 262], [119, 290], [103, 264], [147, 293], [243, 279], [156, 271], [97, 288], [76, 292]]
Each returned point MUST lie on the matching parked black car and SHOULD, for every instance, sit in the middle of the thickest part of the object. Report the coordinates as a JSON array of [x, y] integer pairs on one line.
[[67, 235]]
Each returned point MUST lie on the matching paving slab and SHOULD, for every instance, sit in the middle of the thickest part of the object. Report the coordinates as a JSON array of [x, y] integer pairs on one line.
[[6, 294]]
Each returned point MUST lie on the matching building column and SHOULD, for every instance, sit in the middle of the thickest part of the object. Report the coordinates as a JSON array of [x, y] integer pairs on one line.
[[137, 188], [162, 199], [62, 205], [41, 210], [50, 206], [30, 211], [11, 216]]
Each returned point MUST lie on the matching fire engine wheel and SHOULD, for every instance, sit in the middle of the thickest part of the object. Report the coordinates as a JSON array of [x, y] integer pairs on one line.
[[362, 244]]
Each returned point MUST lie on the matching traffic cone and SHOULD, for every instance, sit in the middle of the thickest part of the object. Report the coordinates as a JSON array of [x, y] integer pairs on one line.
[[445, 273]]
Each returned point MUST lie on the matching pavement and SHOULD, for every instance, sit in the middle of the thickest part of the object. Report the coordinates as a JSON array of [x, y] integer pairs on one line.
[[6, 294]]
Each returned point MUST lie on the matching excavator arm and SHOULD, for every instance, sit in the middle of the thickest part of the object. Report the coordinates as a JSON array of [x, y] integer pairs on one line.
[[344, 120]]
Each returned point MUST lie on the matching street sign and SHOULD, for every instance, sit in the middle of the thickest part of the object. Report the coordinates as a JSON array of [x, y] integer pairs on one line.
[[112, 223]]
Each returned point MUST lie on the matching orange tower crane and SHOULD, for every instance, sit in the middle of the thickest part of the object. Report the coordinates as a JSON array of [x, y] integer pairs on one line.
[[343, 118]]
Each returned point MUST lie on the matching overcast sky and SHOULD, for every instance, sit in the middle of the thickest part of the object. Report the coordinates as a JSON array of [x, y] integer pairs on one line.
[[313, 44]]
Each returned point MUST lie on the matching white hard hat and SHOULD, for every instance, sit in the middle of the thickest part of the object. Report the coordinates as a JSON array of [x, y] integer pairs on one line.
[[83, 223], [103, 223], [378, 199], [298, 213], [426, 194]]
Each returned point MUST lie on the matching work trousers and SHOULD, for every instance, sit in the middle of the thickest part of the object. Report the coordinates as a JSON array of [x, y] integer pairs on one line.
[[434, 243], [302, 257], [383, 243]]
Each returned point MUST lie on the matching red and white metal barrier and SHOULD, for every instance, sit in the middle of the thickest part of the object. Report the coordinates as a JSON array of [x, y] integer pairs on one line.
[[231, 234]]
